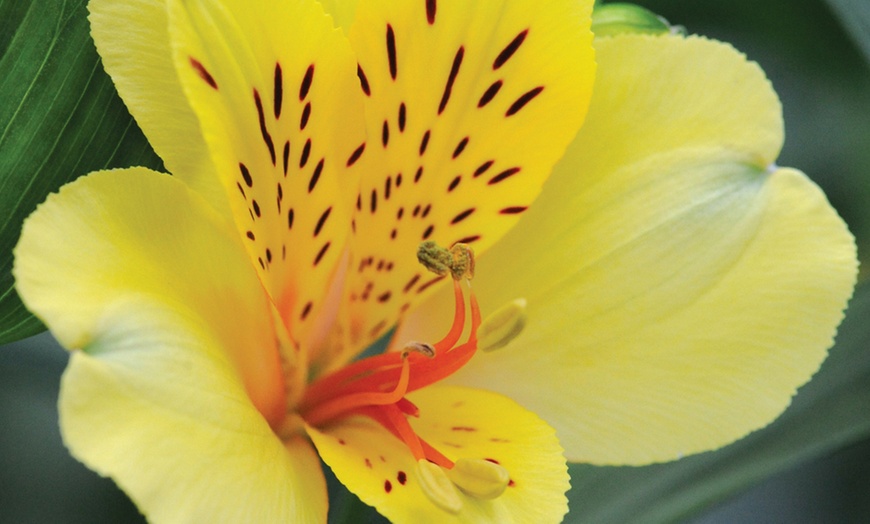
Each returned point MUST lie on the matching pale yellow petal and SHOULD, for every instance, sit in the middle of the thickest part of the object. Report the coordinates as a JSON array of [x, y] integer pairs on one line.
[[116, 234], [460, 423], [679, 289], [275, 89], [153, 402], [132, 38]]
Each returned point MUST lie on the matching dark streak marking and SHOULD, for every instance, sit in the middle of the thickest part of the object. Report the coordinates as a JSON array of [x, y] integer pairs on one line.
[[424, 143], [483, 168], [403, 115], [394, 233], [250, 234], [320, 254], [523, 100], [306, 150], [388, 185], [388, 486], [429, 284], [315, 176], [305, 311], [256, 208], [460, 147], [503, 175], [290, 219], [363, 81], [454, 183], [513, 210], [428, 232], [391, 51], [490, 93], [306, 114], [262, 264], [416, 210], [359, 202], [468, 240], [286, 156], [279, 90], [398, 180], [385, 133], [322, 220], [238, 185], [418, 174], [356, 154], [463, 428], [385, 297], [268, 255], [410, 284], [400, 213], [203, 72], [509, 50], [267, 138], [451, 79], [374, 201], [426, 211], [462, 216], [430, 17], [306, 82], [402, 477], [246, 175]]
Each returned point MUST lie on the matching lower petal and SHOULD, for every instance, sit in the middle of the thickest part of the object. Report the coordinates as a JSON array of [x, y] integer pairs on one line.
[[460, 423], [153, 403]]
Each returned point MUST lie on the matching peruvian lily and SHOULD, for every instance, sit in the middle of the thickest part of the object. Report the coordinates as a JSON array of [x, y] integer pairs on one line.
[[665, 294]]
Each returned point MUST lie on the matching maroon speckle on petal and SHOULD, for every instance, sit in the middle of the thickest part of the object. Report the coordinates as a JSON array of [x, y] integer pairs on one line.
[[388, 486]]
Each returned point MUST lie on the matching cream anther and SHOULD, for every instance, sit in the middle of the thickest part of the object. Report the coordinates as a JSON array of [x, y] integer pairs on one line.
[[438, 487], [419, 347], [503, 325], [481, 479], [458, 260]]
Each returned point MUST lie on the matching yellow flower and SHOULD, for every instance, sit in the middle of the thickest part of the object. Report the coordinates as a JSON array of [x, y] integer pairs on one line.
[[678, 285]]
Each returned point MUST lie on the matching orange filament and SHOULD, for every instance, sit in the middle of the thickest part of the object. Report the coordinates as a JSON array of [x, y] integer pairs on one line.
[[375, 387]]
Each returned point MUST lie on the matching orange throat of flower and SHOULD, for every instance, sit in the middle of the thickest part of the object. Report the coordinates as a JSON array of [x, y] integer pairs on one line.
[[375, 387]]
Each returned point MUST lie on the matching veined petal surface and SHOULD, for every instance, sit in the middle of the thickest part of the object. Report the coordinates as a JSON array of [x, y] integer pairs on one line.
[[274, 87], [468, 107], [461, 423], [679, 289], [132, 38], [113, 235]]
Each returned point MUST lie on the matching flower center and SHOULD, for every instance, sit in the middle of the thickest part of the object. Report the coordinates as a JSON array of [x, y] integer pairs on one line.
[[376, 387]]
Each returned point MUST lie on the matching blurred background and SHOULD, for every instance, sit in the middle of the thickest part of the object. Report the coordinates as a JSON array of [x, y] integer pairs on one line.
[[823, 79]]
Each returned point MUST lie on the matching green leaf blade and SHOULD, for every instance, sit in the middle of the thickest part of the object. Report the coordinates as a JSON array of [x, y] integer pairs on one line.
[[60, 120]]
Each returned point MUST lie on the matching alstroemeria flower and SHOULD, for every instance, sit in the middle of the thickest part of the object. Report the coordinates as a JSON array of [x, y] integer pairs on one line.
[[679, 286]]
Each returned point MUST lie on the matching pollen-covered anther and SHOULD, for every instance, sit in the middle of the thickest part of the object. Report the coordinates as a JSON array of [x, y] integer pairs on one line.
[[503, 325], [478, 478], [458, 260], [438, 487]]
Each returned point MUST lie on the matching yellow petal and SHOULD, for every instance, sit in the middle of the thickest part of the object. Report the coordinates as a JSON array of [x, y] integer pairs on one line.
[[461, 423], [133, 41], [469, 106], [678, 290], [117, 234], [153, 403], [274, 87]]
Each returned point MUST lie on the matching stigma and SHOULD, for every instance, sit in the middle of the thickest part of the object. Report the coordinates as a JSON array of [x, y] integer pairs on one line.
[[376, 387]]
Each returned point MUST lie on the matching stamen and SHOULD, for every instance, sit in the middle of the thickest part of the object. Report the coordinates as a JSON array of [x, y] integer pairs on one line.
[[502, 326], [481, 479], [438, 487], [330, 409], [458, 260]]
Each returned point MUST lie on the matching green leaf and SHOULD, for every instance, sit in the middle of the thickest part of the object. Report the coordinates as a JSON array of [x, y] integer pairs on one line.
[[829, 413], [855, 17], [60, 118]]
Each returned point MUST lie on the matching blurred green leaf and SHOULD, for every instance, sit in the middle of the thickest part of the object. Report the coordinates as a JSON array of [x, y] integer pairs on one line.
[[60, 119], [827, 414], [855, 17]]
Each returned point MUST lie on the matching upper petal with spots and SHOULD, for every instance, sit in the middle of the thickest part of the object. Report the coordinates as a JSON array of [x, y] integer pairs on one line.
[[468, 107], [274, 88]]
